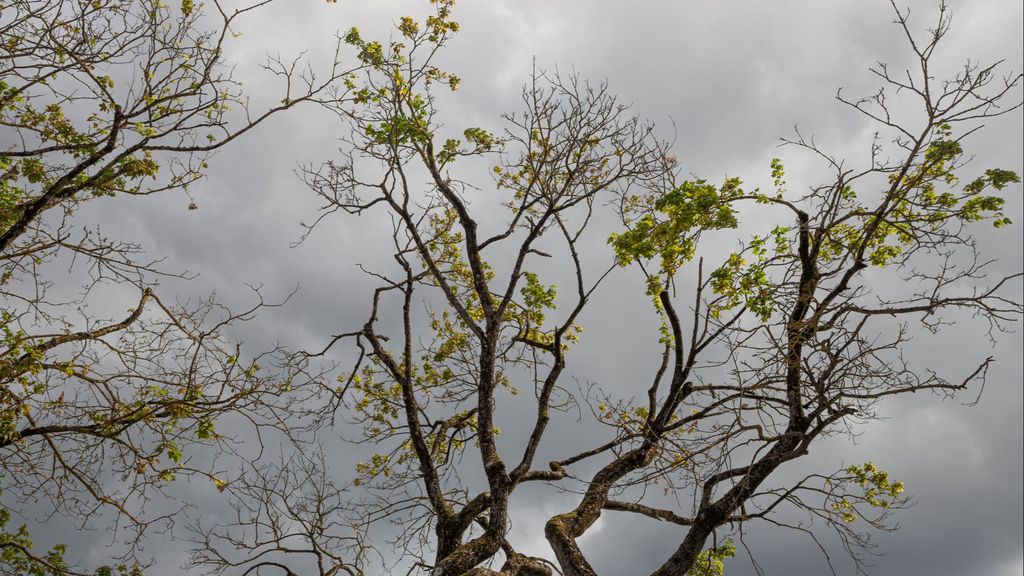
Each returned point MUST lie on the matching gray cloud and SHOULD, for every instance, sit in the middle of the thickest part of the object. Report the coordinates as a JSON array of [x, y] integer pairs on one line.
[[733, 78]]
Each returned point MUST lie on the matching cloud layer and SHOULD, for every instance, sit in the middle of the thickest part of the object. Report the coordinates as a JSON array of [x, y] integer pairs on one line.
[[725, 80]]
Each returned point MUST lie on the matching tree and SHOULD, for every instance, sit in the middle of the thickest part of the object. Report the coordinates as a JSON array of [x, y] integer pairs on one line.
[[103, 99], [763, 352]]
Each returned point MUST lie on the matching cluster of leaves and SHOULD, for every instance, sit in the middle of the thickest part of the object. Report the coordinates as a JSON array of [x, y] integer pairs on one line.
[[878, 490], [711, 562], [926, 205], [668, 226], [402, 89]]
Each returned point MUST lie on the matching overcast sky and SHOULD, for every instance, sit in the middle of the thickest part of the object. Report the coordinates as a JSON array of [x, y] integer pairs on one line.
[[726, 80]]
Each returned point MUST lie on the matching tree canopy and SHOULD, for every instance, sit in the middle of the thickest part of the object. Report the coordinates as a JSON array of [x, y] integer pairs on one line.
[[781, 315], [106, 99]]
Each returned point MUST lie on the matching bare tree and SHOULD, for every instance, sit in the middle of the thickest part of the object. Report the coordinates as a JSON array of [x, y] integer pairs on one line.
[[292, 510], [98, 99], [780, 344]]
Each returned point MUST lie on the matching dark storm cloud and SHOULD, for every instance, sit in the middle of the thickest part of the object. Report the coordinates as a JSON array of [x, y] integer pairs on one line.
[[733, 77]]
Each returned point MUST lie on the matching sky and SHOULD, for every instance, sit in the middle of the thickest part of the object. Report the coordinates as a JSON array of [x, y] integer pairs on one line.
[[725, 81]]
